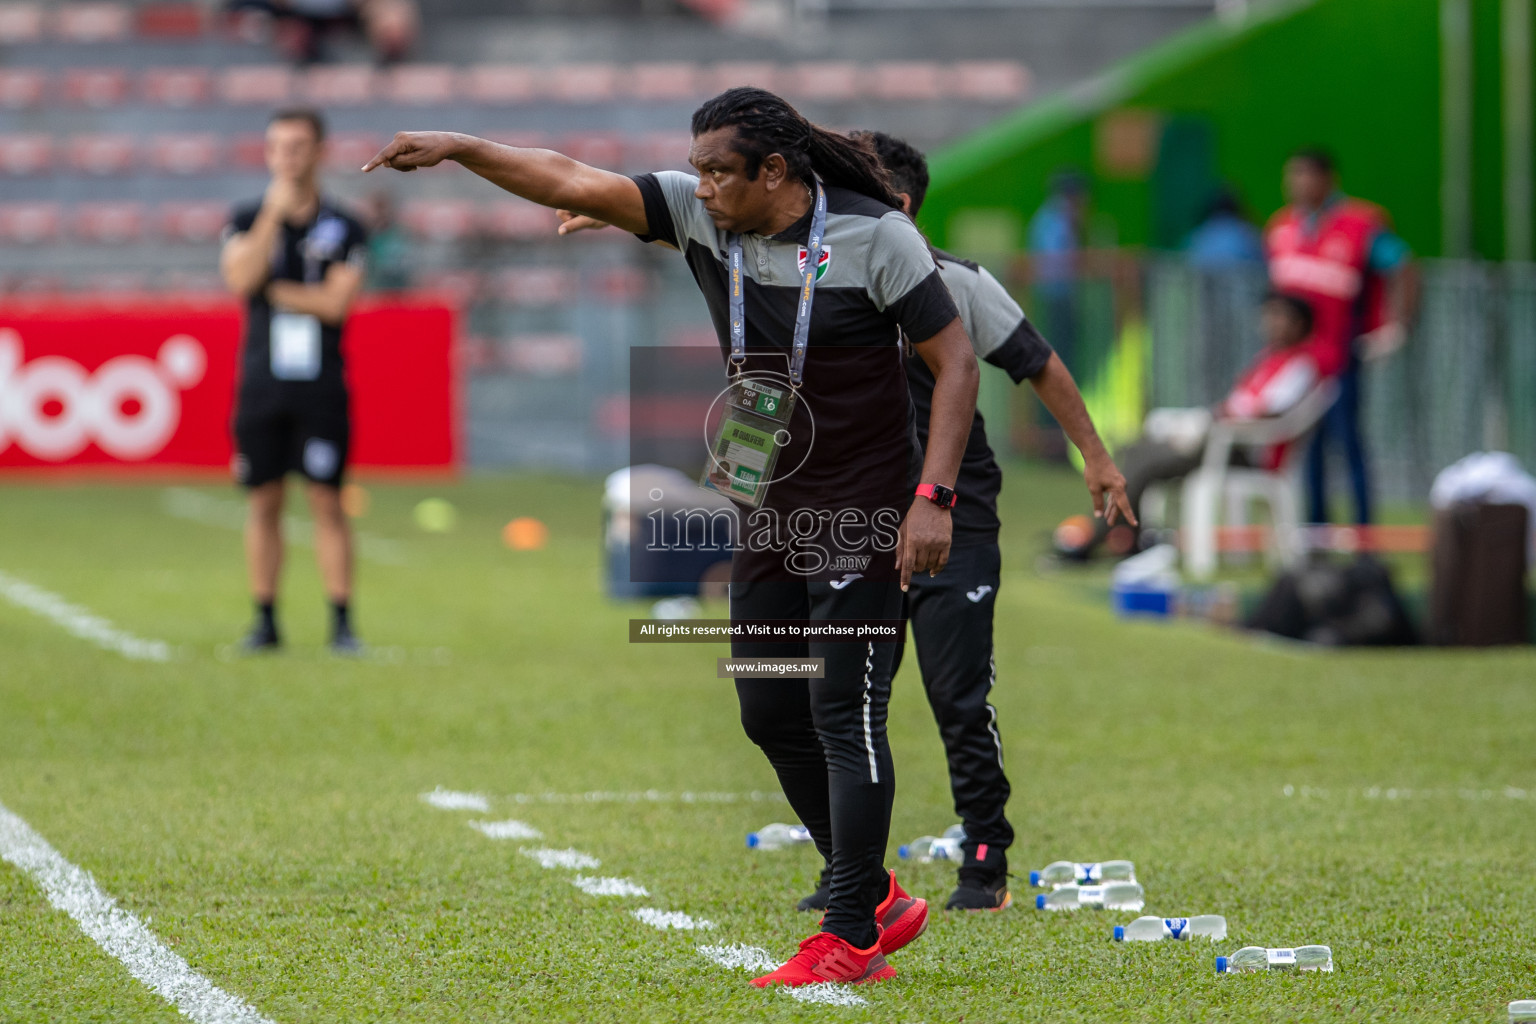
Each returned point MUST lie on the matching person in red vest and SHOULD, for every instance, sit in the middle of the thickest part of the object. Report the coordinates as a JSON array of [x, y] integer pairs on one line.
[[1341, 255]]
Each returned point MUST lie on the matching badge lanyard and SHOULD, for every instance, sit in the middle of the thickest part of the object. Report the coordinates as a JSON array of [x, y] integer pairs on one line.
[[753, 431], [802, 337]]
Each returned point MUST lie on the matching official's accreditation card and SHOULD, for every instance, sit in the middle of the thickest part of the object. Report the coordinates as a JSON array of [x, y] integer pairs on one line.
[[752, 433]]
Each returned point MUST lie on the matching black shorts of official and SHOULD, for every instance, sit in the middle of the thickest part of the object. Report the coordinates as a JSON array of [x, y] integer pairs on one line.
[[951, 617], [281, 431]]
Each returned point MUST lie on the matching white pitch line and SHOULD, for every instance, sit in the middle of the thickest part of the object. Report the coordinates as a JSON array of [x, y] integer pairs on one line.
[[120, 933], [755, 958], [509, 829], [666, 919], [608, 886], [450, 800], [740, 957], [572, 860], [80, 622], [828, 993]]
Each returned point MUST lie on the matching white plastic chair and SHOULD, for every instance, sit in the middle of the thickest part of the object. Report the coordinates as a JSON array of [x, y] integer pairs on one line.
[[1217, 481]]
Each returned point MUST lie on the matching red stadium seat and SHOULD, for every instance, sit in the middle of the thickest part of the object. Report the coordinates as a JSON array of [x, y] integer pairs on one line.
[[177, 87], [96, 87], [606, 151], [26, 154], [661, 151], [348, 151], [21, 88], [825, 81], [21, 23], [995, 81], [170, 20], [534, 286], [108, 223], [256, 84], [543, 355], [193, 221], [114, 283], [422, 85], [340, 85], [502, 83], [102, 155], [92, 22], [440, 220], [457, 286], [29, 223], [907, 81], [516, 219], [584, 83], [621, 284], [38, 286], [185, 154], [733, 73], [248, 151], [665, 82]]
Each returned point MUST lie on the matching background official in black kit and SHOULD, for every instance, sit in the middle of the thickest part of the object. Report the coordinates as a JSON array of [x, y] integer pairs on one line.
[[298, 261]]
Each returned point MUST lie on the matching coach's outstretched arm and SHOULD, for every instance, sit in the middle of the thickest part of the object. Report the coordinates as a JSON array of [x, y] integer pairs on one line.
[[544, 176]]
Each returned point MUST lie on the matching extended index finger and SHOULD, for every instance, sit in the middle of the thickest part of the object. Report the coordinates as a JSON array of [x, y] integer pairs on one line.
[[385, 155]]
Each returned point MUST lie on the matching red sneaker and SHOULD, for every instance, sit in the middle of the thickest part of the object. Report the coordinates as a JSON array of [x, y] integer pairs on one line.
[[824, 957], [902, 918]]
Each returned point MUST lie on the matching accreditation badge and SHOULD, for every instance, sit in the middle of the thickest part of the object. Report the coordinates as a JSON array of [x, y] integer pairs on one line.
[[753, 430], [294, 344]]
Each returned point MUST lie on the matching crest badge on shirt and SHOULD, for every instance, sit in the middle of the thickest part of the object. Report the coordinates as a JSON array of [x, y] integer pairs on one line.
[[821, 264]]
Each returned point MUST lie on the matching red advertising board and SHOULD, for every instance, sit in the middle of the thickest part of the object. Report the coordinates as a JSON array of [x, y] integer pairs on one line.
[[152, 384]]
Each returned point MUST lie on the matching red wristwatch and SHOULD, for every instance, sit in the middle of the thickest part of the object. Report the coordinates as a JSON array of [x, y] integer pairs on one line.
[[942, 496]]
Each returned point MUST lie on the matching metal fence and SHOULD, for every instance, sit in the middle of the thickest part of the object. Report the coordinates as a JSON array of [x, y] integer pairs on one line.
[[1464, 382]]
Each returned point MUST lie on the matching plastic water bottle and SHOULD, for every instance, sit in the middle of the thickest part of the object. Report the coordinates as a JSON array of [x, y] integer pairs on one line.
[[927, 849], [1112, 896], [1066, 872], [1155, 929], [777, 836], [1258, 958], [1522, 1010], [956, 832]]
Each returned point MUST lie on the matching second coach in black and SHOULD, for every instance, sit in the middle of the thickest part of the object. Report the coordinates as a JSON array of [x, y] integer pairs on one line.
[[298, 261]]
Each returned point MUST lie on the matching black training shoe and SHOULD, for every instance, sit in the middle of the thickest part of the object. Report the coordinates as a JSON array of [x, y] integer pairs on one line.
[[346, 644], [261, 639], [977, 894], [819, 899]]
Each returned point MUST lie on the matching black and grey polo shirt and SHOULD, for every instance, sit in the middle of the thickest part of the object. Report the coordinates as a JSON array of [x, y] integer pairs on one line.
[[877, 280], [1001, 335]]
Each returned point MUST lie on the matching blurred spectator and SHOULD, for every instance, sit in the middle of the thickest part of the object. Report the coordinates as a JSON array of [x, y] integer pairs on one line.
[[1225, 239], [389, 261], [1057, 233], [301, 27], [1172, 444], [1341, 255]]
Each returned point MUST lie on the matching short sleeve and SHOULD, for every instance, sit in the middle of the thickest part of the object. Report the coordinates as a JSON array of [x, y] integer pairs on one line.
[[1388, 252], [355, 252], [240, 220], [1000, 332], [673, 214], [904, 280]]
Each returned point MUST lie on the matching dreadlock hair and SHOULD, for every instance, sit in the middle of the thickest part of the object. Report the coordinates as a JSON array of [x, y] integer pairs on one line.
[[904, 162], [767, 124]]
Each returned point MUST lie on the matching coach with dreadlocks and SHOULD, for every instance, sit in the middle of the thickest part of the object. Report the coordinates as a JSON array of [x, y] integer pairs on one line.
[[811, 274]]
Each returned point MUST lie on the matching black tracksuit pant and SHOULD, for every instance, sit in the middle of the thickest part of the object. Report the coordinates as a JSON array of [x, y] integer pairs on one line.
[[951, 616], [826, 737]]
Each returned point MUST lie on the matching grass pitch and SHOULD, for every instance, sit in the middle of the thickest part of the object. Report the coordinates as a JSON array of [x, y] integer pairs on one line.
[[264, 815]]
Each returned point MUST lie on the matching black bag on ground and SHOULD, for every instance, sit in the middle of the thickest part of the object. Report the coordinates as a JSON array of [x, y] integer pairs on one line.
[[1477, 596], [1326, 602]]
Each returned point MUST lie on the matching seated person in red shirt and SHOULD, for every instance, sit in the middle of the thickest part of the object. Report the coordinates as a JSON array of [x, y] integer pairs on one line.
[[1173, 443]]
